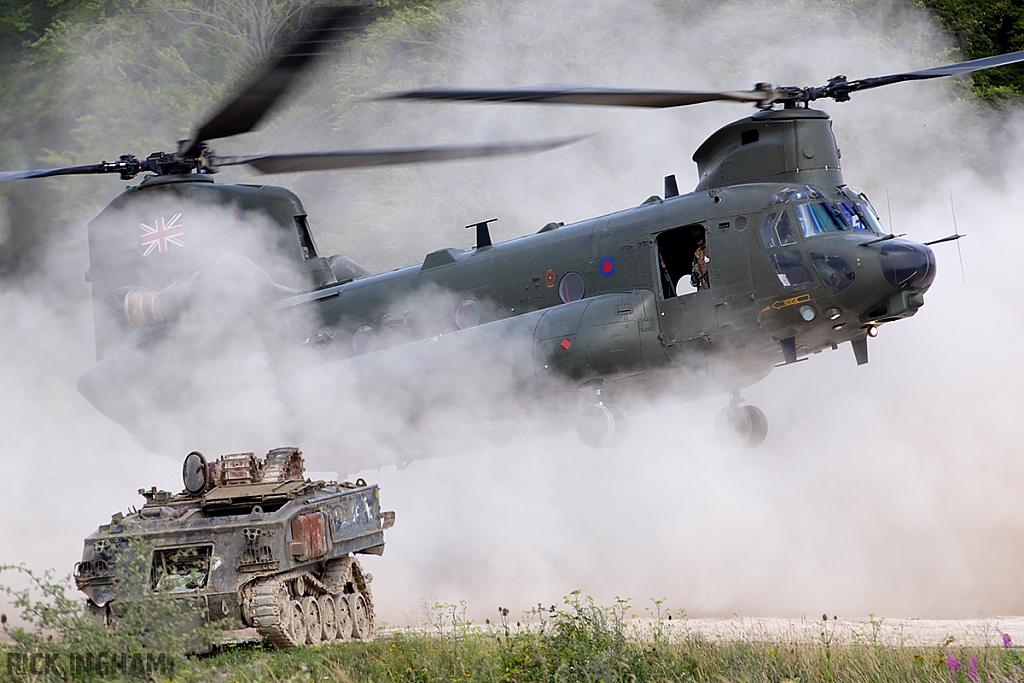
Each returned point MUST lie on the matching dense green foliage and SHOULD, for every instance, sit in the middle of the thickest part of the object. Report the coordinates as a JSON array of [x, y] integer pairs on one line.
[[60, 639], [988, 27]]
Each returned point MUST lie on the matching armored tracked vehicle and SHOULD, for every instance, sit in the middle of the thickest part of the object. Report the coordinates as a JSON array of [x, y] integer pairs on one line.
[[260, 549]]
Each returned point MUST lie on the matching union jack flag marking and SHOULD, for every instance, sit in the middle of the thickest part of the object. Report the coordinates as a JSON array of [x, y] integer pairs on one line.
[[163, 233]]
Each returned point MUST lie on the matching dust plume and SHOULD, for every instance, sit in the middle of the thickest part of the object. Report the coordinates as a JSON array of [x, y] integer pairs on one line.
[[893, 489]]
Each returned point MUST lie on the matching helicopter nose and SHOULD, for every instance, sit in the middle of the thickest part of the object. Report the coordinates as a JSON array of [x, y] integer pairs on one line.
[[908, 265]]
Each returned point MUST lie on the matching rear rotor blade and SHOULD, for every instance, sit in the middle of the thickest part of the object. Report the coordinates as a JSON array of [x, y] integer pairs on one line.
[[616, 97], [956, 69], [324, 161], [245, 111]]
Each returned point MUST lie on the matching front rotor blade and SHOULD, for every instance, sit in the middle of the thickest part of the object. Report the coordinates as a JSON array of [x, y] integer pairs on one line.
[[940, 71], [595, 96], [324, 161], [241, 114], [48, 172]]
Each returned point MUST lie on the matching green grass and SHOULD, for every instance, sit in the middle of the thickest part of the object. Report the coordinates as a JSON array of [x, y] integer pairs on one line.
[[577, 641]]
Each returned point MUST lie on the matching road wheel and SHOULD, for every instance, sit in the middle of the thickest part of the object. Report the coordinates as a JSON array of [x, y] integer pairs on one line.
[[314, 620], [344, 611], [297, 622], [329, 614], [362, 625]]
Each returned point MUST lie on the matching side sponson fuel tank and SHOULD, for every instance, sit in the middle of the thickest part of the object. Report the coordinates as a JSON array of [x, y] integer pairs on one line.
[[604, 335]]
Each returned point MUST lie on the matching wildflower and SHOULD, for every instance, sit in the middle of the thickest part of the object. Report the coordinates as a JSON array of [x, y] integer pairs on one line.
[[972, 673], [953, 664], [1007, 641]]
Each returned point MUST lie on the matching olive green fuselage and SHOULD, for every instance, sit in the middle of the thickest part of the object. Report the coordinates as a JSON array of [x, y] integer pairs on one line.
[[606, 299]]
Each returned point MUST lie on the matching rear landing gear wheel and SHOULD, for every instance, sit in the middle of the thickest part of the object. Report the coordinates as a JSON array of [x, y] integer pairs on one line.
[[741, 426], [603, 425]]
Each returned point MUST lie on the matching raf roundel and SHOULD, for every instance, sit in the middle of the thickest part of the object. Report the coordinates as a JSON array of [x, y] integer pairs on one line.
[[607, 266]]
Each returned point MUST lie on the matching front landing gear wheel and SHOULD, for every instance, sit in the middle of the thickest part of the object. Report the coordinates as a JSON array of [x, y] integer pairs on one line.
[[602, 425], [741, 426]]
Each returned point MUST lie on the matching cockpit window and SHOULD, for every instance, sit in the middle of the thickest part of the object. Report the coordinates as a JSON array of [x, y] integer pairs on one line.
[[820, 218], [859, 213], [795, 194], [783, 233], [785, 230], [852, 217], [767, 234], [790, 268], [834, 272]]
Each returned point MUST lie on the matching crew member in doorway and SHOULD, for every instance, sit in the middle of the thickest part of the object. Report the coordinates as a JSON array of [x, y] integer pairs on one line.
[[699, 277]]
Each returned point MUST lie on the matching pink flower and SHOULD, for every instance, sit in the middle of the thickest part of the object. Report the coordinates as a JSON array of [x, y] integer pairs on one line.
[[1007, 641]]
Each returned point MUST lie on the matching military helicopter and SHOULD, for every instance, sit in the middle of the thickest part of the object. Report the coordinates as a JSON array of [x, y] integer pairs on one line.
[[772, 257]]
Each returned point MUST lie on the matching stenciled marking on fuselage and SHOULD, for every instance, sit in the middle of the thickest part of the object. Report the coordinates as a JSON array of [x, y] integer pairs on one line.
[[783, 303]]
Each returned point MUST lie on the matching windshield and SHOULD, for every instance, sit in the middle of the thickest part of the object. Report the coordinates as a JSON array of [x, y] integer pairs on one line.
[[820, 218], [859, 214]]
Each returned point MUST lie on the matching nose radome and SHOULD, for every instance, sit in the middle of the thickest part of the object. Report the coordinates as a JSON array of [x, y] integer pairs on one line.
[[908, 265]]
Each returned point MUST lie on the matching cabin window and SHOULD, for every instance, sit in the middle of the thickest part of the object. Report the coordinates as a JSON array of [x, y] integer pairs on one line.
[[834, 272], [467, 314], [819, 219], [572, 287], [790, 268], [179, 570], [683, 263]]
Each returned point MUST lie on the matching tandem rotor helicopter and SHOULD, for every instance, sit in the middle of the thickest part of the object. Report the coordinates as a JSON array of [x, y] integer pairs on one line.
[[772, 257]]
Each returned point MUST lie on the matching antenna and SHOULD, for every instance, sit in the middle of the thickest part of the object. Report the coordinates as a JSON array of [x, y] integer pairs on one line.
[[888, 207], [483, 235], [955, 237], [956, 231]]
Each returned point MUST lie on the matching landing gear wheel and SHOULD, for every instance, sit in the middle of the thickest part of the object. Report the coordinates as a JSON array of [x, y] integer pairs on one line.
[[603, 425], [741, 426], [329, 614], [595, 425], [344, 615], [759, 427], [362, 627], [621, 430]]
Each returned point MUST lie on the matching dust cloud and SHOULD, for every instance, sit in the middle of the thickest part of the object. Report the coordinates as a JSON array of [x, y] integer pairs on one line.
[[892, 489]]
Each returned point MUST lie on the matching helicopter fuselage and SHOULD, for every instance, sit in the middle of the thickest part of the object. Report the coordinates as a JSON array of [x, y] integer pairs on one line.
[[771, 258]]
